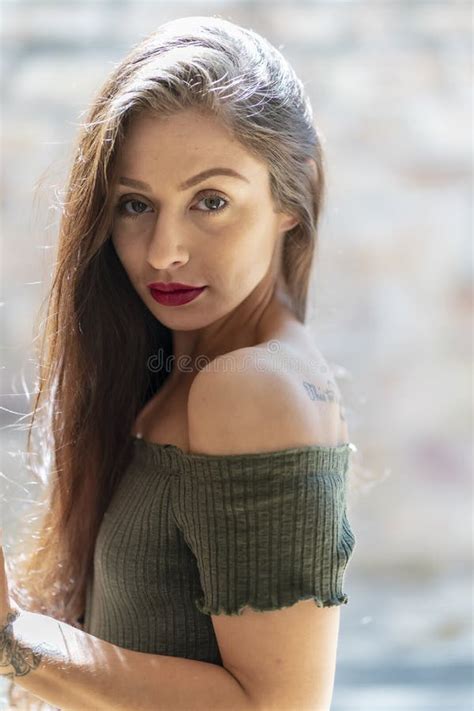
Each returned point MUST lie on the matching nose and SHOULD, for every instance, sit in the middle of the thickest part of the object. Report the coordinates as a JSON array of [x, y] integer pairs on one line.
[[167, 244]]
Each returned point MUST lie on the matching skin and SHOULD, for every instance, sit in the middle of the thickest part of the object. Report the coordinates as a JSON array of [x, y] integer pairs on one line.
[[186, 236], [15, 659]]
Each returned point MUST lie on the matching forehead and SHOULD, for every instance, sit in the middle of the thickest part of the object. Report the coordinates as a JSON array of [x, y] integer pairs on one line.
[[184, 142], [188, 125]]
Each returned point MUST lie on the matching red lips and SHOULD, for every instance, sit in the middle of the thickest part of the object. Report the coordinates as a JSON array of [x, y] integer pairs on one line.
[[176, 297]]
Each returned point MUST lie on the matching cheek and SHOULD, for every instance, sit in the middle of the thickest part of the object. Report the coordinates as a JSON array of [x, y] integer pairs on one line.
[[243, 250], [128, 255], [123, 233], [119, 246]]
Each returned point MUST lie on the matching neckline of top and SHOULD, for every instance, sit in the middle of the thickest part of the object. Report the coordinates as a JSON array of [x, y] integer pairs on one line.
[[160, 447]]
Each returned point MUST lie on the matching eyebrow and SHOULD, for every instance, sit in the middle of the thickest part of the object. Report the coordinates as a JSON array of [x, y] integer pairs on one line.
[[189, 182]]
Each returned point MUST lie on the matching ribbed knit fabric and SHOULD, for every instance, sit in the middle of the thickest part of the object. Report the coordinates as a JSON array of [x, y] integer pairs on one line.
[[190, 535]]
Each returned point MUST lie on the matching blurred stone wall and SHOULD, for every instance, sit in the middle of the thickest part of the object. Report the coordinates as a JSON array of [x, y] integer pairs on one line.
[[390, 85]]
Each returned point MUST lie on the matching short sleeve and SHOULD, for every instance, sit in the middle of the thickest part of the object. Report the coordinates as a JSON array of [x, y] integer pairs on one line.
[[267, 529]]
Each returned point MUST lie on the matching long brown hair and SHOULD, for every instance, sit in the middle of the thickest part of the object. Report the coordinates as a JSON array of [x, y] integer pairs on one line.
[[94, 375]]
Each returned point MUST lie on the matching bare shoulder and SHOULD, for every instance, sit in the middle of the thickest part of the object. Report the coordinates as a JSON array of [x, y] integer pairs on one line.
[[265, 398]]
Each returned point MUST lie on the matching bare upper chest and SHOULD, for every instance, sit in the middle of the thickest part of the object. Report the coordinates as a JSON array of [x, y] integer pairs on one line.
[[164, 419]]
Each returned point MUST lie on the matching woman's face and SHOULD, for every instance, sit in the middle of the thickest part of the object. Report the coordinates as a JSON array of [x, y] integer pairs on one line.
[[169, 224]]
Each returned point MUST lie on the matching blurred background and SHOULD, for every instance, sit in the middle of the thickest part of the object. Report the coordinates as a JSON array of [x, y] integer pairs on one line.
[[391, 298]]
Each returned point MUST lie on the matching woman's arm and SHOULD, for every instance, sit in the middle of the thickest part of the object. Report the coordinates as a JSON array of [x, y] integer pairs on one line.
[[76, 671]]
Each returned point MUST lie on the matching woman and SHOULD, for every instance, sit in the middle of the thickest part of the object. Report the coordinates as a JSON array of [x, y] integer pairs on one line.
[[196, 537]]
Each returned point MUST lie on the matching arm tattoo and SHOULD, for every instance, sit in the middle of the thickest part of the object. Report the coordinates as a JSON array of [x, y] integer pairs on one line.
[[328, 394], [21, 658]]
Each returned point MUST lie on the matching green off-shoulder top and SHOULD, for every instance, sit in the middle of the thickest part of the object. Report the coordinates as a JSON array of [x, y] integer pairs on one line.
[[187, 536]]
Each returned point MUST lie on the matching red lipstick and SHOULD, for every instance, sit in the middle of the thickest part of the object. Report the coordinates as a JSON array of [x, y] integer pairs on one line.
[[174, 293]]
